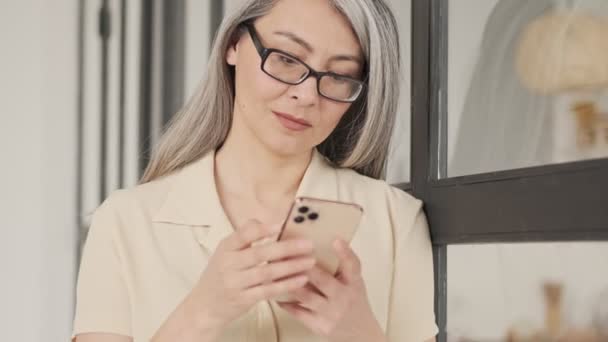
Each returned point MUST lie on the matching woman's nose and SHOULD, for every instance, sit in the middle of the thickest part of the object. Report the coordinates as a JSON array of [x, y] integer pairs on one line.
[[305, 92]]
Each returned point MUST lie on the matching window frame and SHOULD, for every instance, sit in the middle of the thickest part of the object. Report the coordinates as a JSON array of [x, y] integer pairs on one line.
[[559, 202]]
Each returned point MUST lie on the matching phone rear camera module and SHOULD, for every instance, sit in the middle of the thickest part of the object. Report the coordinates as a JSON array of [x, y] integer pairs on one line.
[[299, 219], [313, 216], [303, 210]]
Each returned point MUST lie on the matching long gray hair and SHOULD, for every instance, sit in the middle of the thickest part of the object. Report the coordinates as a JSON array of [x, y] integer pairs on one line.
[[361, 139]]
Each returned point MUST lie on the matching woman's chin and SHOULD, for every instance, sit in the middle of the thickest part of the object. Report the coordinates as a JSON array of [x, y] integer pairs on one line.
[[288, 147]]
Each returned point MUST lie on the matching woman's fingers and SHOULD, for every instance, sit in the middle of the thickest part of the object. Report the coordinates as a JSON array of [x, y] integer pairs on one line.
[[350, 266], [251, 232], [309, 298], [272, 251], [275, 288], [273, 271], [325, 282]]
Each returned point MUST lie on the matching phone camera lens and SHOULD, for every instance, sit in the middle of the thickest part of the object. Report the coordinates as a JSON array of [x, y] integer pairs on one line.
[[303, 210], [313, 216], [299, 219]]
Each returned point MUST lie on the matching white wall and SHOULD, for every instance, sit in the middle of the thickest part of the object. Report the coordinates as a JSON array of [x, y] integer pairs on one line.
[[37, 145], [198, 40], [231, 5]]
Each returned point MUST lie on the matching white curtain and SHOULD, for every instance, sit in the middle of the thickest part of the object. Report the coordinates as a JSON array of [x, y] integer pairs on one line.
[[504, 125]]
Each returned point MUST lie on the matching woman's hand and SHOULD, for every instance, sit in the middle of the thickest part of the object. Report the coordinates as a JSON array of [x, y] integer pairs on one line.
[[239, 275], [337, 308]]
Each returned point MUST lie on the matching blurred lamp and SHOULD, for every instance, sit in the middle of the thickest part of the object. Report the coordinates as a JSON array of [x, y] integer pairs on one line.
[[566, 51]]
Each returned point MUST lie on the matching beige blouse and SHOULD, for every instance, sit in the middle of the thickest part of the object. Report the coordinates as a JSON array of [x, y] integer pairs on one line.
[[148, 245]]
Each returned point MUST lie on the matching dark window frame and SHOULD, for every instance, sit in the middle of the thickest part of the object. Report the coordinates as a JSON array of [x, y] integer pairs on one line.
[[561, 202], [170, 16]]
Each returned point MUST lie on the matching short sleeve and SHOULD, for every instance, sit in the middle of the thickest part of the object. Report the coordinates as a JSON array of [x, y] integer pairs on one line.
[[411, 315], [102, 300]]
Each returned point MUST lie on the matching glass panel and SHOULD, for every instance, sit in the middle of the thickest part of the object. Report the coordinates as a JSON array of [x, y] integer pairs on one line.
[[528, 292], [398, 170], [527, 83]]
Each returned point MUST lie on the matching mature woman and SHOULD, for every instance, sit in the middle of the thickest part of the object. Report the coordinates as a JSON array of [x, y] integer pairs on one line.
[[299, 100]]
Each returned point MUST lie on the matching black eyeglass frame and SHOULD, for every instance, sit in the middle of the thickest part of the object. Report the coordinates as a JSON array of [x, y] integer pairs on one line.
[[264, 52]]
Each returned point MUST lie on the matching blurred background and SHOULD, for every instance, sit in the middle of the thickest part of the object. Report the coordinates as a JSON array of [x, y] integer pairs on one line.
[[88, 85]]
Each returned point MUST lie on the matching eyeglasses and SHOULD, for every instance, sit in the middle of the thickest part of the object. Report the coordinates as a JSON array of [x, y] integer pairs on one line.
[[288, 69]]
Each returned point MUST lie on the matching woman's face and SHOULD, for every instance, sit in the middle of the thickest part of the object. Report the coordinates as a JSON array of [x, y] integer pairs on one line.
[[291, 119]]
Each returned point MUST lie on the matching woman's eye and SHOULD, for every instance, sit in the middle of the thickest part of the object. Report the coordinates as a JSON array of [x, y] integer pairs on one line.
[[287, 60], [338, 79]]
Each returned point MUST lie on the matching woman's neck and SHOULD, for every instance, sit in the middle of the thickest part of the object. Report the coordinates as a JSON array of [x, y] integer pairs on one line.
[[244, 167]]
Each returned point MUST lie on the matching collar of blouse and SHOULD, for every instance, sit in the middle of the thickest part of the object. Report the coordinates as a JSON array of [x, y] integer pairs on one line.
[[192, 200]]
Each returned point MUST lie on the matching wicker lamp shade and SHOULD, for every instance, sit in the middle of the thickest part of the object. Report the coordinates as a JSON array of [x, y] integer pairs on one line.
[[564, 50]]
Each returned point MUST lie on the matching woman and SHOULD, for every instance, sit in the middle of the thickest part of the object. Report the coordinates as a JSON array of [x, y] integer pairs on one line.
[[299, 99]]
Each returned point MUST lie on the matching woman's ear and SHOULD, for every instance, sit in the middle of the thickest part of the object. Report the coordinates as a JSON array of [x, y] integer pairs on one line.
[[231, 54]]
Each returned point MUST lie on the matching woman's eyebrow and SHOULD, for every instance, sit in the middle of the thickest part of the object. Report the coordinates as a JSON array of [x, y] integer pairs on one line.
[[293, 37], [346, 58]]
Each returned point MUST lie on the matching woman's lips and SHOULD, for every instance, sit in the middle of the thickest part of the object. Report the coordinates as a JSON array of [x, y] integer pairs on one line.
[[291, 122]]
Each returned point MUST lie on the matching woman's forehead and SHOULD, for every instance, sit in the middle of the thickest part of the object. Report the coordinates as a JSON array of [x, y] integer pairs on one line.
[[312, 23]]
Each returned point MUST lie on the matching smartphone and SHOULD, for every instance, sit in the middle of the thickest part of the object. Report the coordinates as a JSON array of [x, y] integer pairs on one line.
[[321, 221]]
